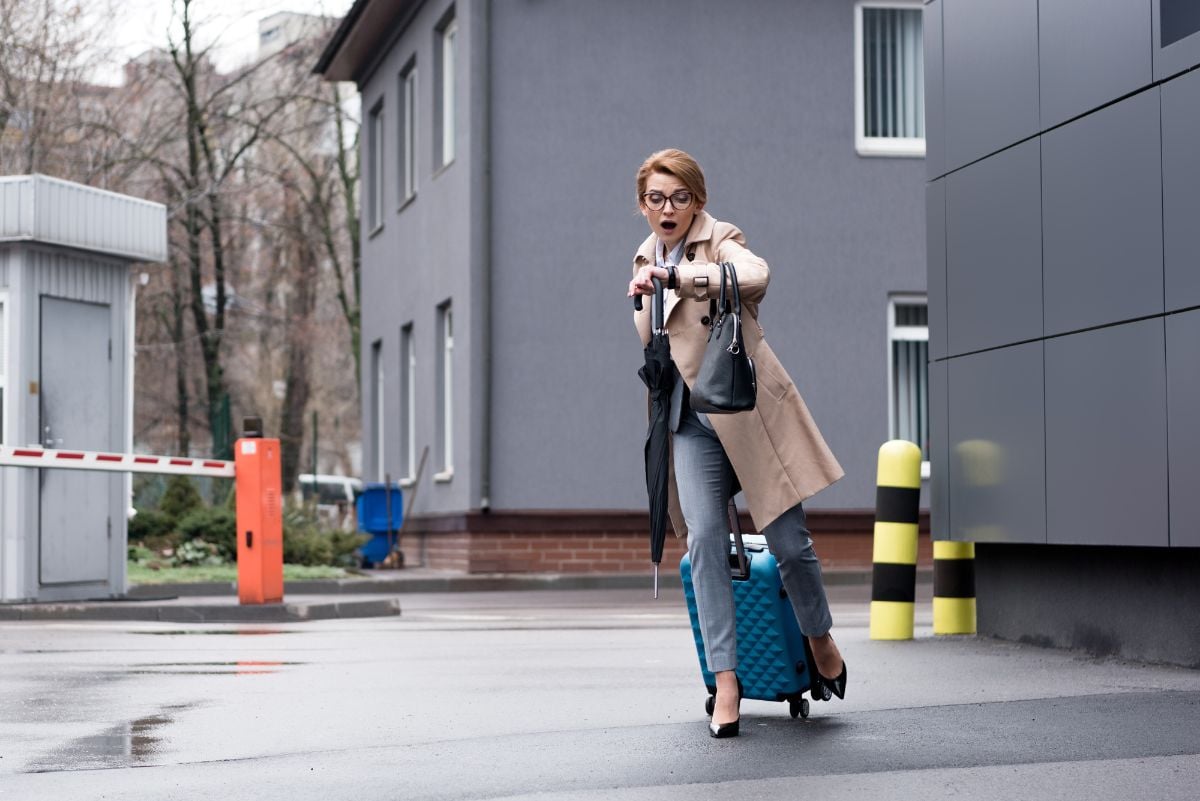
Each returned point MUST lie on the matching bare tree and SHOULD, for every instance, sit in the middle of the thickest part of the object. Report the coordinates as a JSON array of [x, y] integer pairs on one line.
[[47, 49]]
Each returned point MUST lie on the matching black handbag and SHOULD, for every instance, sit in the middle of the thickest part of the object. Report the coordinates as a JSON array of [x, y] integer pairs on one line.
[[726, 381]]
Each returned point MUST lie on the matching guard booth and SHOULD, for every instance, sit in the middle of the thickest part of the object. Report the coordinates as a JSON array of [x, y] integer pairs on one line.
[[66, 379]]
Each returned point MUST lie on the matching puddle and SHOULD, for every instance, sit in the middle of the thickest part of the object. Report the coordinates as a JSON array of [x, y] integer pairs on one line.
[[216, 632], [128, 744], [240, 663], [243, 668]]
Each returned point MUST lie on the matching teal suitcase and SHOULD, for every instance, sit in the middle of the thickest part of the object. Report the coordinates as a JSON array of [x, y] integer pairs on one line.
[[770, 647]]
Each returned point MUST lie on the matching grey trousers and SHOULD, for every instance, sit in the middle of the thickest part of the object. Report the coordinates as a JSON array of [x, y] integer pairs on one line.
[[705, 478]]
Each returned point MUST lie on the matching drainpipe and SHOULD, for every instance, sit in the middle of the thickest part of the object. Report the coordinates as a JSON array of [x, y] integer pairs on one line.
[[485, 222]]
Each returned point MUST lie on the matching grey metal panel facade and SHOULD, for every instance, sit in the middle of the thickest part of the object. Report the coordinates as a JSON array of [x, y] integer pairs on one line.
[[427, 252], [939, 448], [990, 57], [994, 251], [1103, 249], [935, 226], [1179, 54], [1181, 190], [1106, 436], [1090, 53], [1183, 423], [997, 446], [935, 109], [573, 117]]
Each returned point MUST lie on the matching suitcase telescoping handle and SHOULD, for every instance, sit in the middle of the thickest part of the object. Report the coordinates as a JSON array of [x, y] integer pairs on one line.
[[741, 571]]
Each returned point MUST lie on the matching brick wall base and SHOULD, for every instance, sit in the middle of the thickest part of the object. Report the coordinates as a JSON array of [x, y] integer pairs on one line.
[[602, 542]]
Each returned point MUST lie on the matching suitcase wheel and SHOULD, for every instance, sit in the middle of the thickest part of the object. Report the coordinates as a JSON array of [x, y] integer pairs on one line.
[[709, 703], [799, 709]]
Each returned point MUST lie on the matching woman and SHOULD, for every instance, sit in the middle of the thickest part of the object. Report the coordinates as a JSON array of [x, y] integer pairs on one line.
[[774, 452]]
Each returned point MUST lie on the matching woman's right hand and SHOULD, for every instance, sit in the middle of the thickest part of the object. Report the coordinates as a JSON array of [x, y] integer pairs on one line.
[[641, 283]]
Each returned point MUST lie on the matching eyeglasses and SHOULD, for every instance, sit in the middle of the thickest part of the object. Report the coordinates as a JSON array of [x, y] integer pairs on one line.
[[655, 201]]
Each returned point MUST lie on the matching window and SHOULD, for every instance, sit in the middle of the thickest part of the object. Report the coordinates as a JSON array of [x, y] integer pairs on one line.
[[3, 365], [889, 79], [445, 47], [408, 405], [445, 414], [377, 409], [908, 373], [407, 161], [375, 168], [1180, 19]]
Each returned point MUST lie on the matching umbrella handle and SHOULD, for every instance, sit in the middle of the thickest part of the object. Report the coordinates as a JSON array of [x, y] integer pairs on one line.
[[637, 300]]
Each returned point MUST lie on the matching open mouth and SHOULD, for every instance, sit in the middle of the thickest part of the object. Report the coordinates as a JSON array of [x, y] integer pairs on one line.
[[668, 225]]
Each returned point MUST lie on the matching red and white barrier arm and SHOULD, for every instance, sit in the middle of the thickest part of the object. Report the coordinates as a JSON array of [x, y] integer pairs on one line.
[[112, 462]]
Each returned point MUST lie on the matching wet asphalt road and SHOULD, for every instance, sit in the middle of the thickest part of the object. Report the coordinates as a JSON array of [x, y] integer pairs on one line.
[[566, 695]]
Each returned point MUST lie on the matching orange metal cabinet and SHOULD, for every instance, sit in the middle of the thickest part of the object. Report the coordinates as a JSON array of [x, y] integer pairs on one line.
[[259, 521]]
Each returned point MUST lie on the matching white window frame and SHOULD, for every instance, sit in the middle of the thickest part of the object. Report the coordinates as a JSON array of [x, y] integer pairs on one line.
[[379, 414], [904, 147], [446, 314], [449, 120], [408, 386], [903, 333], [5, 363], [375, 173], [408, 132]]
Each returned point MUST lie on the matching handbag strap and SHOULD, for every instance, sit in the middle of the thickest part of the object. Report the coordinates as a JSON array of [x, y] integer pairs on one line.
[[735, 290], [742, 572], [723, 303]]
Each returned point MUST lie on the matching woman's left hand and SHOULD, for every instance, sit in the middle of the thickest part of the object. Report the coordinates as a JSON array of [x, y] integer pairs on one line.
[[641, 283]]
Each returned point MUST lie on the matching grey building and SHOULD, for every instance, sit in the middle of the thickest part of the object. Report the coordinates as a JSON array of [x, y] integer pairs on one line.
[[1063, 195], [500, 141]]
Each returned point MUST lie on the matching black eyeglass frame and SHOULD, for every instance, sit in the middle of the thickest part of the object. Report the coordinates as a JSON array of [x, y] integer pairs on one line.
[[691, 198]]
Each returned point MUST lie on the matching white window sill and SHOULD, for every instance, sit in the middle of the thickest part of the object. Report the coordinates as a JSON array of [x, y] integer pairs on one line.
[[924, 471], [408, 201], [444, 476], [407, 483], [872, 147]]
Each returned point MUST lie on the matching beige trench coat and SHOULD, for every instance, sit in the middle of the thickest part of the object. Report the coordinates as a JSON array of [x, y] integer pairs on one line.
[[776, 449]]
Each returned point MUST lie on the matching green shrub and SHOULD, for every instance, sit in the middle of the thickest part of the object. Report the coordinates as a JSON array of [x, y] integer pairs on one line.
[[215, 525], [180, 497], [306, 542], [149, 525], [344, 544], [197, 552], [141, 555], [307, 547]]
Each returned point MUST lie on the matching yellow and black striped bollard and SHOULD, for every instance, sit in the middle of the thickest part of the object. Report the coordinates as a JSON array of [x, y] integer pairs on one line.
[[953, 587], [897, 503]]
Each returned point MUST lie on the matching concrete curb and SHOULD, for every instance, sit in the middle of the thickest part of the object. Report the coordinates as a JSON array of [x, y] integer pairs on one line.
[[415, 581], [123, 610]]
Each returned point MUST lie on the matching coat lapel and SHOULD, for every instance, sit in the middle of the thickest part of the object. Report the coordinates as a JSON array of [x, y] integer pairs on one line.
[[700, 231]]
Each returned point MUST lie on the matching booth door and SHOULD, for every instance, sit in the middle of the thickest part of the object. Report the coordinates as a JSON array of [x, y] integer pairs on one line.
[[76, 403]]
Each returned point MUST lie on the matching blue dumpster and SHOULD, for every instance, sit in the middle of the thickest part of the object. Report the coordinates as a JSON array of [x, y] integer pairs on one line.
[[372, 509]]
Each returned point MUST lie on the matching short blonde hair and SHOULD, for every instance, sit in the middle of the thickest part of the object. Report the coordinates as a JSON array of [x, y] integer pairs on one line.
[[679, 164]]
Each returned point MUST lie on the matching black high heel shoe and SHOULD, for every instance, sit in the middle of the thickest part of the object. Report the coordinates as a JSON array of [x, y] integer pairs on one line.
[[837, 686], [723, 730], [820, 687]]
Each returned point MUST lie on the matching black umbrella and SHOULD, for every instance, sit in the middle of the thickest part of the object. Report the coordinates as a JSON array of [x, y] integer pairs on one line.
[[658, 374]]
